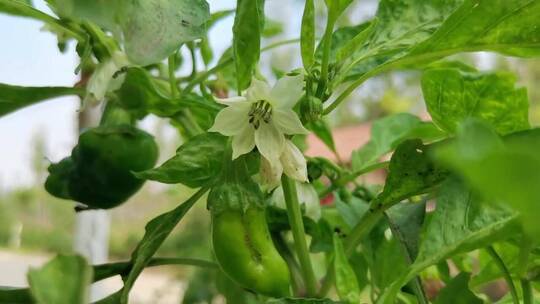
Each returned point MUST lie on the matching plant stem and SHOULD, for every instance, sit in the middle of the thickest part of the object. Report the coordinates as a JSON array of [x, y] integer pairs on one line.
[[505, 272], [193, 60], [108, 270], [299, 235], [294, 268], [172, 77], [352, 176], [366, 223], [202, 77], [528, 296], [348, 91]]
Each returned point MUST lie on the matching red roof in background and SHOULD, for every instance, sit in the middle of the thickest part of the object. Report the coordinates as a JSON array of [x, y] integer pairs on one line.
[[347, 139]]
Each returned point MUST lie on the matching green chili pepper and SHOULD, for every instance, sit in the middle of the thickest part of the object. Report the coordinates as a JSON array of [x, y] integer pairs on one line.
[[245, 251], [99, 171]]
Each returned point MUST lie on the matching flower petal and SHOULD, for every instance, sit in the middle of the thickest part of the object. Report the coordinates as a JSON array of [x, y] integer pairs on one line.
[[294, 163], [308, 196], [231, 100], [231, 120], [288, 122], [258, 90], [243, 142], [287, 91], [269, 141], [270, 173]]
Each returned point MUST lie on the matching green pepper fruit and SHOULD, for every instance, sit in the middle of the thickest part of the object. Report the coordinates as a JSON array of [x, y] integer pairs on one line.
[[99, 171], [245, 251]]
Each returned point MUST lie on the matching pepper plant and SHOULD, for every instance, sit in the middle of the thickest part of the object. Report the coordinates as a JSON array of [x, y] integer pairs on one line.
[[461, 198]]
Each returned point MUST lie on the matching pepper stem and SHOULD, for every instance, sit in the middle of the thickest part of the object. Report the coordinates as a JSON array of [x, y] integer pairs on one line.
[[299, 235]]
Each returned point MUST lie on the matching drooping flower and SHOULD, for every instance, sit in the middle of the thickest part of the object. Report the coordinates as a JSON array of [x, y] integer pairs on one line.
[[307, 196], [103, 81], [262, 117]]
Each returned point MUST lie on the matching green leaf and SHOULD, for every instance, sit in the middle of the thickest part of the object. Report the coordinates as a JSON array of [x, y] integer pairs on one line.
[[405, 221], [411, 172], [154, 29], [342, 39], [336, 8], [387, 133], [10, 295], [457, 292], [351, 212], [13, 98], [302, 301], [271, 28], [489, 270], [247, 29], [321, 129], [453, 95], [461, 223], [196, 163], [384, 256], [156, 231], [65, 279], [506, 171], [507, 27], [101, 12], [345, 45], [151, 29], [235, 189], [404, 37], [13, 295], [346, 282], [307, 34]]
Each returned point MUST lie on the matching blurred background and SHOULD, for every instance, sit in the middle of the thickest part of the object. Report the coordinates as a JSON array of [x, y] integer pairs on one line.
[[34, 225]]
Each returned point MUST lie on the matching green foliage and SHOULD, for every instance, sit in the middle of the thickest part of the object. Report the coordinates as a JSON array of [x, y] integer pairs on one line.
[[387, 133], [457, 291], [156, 231], [65, 279], [506, 171], [460, 223], [411, 172], [151, 30], [247, 29], [195, 164], [14, 98], [453, 95], [346, 282], [307, 41]]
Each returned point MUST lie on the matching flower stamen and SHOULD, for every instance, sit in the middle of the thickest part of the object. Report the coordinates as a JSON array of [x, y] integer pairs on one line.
[[261, 109]]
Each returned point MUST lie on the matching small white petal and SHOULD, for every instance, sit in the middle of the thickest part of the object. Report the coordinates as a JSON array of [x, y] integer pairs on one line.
[[269, 141], [308, 196], [231, 100], [287, 91], [231, 120], [258, 90], [243, 142], [100, 79], [294, 163], [270, 173], [288, 122], [278, 198]]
